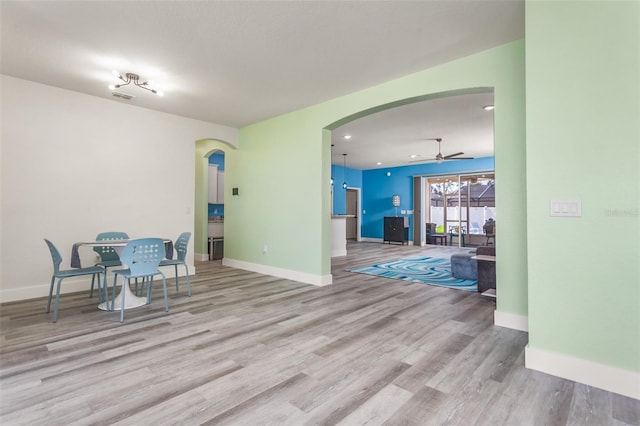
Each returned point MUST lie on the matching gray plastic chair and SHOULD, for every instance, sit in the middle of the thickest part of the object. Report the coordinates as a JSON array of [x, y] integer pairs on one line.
[[108, 256], [143, 257], [181, 245], [62, 274]]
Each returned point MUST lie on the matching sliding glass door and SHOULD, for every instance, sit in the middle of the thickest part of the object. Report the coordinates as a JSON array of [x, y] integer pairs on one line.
[[460, 205]]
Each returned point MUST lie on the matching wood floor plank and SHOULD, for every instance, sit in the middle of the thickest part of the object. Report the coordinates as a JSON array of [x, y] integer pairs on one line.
[[250, 349]]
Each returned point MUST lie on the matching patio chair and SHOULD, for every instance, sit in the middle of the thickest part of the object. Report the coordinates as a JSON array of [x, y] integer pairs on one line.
[[181, 247], [142, 257], [489, 229], [108, 256], [75, 272]]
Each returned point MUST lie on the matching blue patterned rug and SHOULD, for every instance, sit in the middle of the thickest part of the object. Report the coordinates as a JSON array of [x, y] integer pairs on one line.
[[425, 270]]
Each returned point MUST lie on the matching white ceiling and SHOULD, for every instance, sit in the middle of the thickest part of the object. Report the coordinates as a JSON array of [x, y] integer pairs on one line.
[[239, 62]]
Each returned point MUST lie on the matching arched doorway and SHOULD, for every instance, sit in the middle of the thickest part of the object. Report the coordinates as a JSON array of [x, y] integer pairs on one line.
[[457, 115], [205, 148]]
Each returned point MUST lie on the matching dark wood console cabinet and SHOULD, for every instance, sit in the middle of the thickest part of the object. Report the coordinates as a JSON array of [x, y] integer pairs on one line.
[[394, 230]]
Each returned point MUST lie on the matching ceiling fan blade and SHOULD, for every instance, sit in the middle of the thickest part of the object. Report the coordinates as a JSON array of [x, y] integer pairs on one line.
[[424, 160], [446, 157]]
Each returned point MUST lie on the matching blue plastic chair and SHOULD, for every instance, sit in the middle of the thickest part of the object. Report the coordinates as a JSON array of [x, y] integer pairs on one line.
[[62, 274], [143, 257], [108, 256], [181, 245]]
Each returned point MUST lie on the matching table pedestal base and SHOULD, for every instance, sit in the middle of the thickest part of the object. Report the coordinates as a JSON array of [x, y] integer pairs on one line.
[[130, 300]]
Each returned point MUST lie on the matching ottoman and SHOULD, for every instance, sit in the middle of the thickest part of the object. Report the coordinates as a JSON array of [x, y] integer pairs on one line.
[[463, 266]]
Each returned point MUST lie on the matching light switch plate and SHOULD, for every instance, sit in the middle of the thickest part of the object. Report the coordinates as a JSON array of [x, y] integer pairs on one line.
[[565, 208]]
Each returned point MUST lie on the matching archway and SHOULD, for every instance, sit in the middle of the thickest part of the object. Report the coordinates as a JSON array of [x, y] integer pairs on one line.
[[460, 106], [204, 149]]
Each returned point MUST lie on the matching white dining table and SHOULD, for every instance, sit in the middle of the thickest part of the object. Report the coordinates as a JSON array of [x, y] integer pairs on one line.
[[130, 299]]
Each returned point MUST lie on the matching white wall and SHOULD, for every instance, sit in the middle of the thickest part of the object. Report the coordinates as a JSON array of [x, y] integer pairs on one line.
[[75, 165]]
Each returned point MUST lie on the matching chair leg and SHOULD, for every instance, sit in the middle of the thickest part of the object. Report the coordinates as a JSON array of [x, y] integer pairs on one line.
[[93, 278], [55, 306], [149, 288], [53, 279], [164, 289], [176, 268], [113, 292], [105, 290], [186, 268], [124, 282]]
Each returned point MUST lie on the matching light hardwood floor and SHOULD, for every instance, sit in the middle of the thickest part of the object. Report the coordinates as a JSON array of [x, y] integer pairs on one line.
[[249, 349]]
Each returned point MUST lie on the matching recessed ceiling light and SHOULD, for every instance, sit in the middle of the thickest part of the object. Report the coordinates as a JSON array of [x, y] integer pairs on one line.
[[488, 107], [414, 156], [379, 163], [347, 137]]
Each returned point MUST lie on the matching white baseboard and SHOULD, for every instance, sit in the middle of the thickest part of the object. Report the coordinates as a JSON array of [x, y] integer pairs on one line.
[[303, 277], [339, 253], [379, 240], [201, 257], [74, 284], [580, 370], [510, 320], [371, 240]]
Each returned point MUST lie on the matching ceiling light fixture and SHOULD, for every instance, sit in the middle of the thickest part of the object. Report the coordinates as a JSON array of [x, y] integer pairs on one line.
[[344, 171], [488, 107], [347, 137], [135, 79]]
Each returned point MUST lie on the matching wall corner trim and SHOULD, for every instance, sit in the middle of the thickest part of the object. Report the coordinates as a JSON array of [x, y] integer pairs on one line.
[[303, 277], [510, 320], [612, 379]]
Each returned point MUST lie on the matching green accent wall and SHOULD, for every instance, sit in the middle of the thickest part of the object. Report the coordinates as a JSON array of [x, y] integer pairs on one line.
[[282, 169], [583, 142]]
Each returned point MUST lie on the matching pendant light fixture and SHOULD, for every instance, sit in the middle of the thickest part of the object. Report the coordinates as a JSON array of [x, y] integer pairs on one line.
[[344, 171], [332, 167]]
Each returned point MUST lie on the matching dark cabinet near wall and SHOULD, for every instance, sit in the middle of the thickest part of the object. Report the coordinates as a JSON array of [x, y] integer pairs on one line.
[[394, 230]]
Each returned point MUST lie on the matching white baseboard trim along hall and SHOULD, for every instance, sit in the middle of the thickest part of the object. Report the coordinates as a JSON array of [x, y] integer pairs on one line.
[[579, 370], [303, 277], [509, 320]]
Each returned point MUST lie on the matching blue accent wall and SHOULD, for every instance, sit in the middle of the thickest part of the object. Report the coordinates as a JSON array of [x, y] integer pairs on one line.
[[378, 188], [354, 180], [216, 210], [218, 159]]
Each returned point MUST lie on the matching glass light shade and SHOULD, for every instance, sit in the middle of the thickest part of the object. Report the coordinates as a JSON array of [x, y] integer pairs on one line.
[[395, 201]]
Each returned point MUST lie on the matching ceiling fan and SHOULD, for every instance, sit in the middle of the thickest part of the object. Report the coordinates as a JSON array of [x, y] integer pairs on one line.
[[440, 158]]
